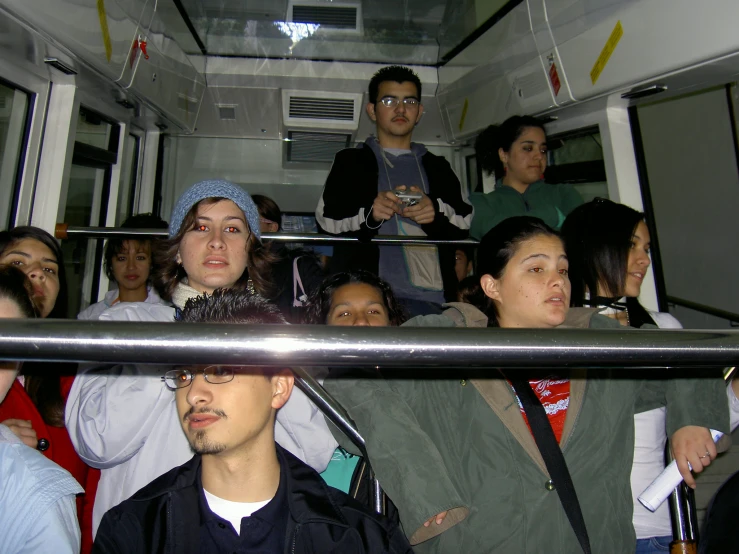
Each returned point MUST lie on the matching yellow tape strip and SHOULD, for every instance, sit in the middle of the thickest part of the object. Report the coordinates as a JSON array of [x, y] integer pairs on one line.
[[605, 55], [104, 29], [464, 113]]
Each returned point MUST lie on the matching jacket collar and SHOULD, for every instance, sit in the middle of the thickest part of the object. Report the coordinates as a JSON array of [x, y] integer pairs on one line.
[[500, 397], [308, 496], [500, 187]]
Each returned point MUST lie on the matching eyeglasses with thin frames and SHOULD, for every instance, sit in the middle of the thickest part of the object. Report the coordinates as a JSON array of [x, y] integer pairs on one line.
[[392, 102], [182, 377]]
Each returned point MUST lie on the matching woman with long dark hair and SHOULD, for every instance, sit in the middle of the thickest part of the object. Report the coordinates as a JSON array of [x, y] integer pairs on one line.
[[34, 407], [516, 153], [461, 447], [124, 420], [608, 245]]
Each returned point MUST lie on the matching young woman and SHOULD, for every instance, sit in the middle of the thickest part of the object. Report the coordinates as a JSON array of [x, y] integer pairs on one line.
[[123, 419], [458, 449], [356, 298], [608, 247], [128, 263], [516, 152], [34, 407], [37, 497]]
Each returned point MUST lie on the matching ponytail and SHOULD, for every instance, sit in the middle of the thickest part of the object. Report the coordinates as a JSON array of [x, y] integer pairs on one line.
[[502, 136]]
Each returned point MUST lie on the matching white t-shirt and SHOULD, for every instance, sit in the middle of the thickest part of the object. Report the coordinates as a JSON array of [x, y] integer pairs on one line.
[[233, 511]]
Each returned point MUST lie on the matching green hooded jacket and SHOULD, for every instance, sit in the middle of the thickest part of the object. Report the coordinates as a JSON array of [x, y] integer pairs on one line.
[[436, 445]]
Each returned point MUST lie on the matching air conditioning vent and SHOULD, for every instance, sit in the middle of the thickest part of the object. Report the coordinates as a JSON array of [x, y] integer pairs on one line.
[[226, 112], [326, 16], [322, 111], [302, 107], [315, 147]]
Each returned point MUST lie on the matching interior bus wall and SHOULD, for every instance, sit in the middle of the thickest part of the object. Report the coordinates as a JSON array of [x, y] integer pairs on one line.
[[691, 162]]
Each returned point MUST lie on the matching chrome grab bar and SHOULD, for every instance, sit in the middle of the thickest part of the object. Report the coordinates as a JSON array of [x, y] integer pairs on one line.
[[389, 347], [64, 231]]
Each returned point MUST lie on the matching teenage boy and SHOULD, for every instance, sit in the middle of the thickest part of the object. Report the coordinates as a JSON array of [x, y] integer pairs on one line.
[[241, 492], [360, 199]]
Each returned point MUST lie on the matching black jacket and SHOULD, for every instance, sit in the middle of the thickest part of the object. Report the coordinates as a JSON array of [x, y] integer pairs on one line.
[[164, 517], [283, 294], [350, 190]]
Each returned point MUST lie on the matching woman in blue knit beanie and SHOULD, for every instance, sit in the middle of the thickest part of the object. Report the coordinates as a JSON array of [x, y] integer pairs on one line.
[[214, 242]]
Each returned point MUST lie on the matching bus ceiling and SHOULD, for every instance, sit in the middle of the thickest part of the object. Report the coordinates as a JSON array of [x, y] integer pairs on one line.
[[197, 64]]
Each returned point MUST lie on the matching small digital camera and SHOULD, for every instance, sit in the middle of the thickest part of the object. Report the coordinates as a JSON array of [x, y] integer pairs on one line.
[[408, 198]]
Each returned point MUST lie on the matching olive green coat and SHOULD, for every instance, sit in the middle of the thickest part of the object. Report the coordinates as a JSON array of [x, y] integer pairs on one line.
[[436, 445]]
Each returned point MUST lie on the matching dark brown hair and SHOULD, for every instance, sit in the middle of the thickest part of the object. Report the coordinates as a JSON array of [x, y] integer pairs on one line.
[[268, 209], [114, 246], [501, 136], [16, 287], [319, 303], [169, 273]]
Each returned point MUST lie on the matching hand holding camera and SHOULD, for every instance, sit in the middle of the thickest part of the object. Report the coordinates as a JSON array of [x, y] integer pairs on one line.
[[385, 206], [411, 203], [421, 210], [408, 199]]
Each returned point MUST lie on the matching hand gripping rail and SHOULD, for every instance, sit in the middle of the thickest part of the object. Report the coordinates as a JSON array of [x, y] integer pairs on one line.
[[64, 231]]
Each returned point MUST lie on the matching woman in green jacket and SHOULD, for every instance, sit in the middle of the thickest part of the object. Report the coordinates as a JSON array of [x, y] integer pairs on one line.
[[516, 153], [462, 445]]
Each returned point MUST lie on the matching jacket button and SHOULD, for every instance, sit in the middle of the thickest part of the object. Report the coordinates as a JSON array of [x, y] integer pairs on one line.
[[43, 445], [549, 485]]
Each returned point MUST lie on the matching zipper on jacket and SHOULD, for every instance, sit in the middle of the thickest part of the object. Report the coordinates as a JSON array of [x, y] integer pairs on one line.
[[169, 517], [295, 538]]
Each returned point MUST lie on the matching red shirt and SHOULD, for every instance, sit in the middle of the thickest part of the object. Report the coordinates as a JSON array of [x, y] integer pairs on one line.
[[18, 405], [554, 395]]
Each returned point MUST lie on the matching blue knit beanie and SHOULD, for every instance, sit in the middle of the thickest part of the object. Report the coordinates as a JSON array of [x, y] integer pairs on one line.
[[214, 189]]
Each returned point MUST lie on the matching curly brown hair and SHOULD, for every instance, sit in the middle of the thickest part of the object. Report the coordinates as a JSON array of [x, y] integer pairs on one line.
[[169, 273]]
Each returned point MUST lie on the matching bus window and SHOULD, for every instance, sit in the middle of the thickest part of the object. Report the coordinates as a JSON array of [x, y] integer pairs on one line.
[[577, 158], [95, 154], [13, 125]]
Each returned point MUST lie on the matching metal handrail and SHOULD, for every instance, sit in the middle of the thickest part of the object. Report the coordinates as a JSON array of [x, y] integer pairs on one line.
[[320, 345], [64, 231], [716, 312]]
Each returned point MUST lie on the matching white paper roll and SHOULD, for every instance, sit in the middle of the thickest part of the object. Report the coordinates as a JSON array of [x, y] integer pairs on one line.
[[656, 493]]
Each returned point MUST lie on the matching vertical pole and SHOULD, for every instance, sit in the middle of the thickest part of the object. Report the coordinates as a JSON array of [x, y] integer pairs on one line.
[[683, 521]]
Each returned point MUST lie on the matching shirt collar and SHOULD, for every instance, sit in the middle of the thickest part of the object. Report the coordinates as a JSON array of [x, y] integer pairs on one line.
[[272, 513]]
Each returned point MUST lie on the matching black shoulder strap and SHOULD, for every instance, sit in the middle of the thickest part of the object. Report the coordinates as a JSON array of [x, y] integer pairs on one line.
[[553, 458]]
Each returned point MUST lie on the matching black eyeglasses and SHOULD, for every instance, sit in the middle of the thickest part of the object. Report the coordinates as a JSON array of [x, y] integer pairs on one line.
[[182, 377], [392, 101]]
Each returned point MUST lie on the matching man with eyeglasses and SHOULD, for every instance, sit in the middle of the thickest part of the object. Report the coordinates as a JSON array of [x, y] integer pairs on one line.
[[389, 185], [241, 492]]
